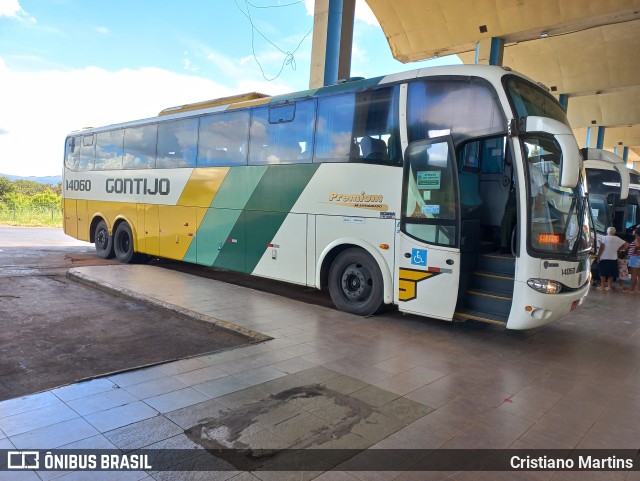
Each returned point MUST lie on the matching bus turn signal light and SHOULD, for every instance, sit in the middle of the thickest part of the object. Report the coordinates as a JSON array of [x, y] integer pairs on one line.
[[384, 247]]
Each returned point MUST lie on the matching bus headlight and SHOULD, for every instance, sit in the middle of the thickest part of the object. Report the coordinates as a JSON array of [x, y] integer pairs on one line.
[[545, 286]]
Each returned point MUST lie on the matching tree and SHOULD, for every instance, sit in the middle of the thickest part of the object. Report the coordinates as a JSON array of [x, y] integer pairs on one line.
[[48, 198], [6, 187], [30, 187], [16, 200]]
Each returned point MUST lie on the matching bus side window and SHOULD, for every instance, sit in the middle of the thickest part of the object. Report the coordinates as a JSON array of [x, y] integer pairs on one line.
[[458, 107], [282, 134], [373, 148], [359, 127], [334, 136], [140, 147], [72, 157], [223, 139], [177, 143], [109, 147], [376, 124], [87, 153]]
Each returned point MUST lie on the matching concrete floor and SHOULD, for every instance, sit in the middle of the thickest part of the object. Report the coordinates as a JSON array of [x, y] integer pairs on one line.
[[331, 379]]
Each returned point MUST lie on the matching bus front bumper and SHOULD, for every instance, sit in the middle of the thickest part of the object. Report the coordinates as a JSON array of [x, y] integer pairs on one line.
[[531, 308]]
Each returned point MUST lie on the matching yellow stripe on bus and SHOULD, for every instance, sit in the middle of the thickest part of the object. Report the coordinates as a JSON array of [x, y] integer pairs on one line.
[[407, 283], [202, 186]]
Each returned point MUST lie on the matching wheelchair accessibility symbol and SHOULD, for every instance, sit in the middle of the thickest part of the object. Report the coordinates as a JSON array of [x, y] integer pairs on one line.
[[419, 257]]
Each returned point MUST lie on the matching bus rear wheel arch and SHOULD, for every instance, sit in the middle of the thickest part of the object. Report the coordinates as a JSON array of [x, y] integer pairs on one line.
[[103, 241], [355, 282], [123, 244]]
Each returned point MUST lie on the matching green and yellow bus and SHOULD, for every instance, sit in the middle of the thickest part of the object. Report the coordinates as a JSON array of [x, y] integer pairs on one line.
[[385, 191]]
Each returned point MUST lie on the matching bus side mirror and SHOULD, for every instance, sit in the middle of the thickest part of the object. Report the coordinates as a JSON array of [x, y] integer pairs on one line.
[[571, 160]]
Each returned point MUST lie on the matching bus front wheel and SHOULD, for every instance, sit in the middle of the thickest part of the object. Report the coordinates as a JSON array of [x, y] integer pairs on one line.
[[355, 283], [103, 241], [123, 243]]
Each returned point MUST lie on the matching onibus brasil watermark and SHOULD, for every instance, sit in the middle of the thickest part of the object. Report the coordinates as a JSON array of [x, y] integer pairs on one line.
[[71, 461], [202, 459]]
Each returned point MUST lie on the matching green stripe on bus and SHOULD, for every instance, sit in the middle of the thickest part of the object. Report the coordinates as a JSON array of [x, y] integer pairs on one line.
[[238, 186], [216, 231], [265, 211], [271, 202]]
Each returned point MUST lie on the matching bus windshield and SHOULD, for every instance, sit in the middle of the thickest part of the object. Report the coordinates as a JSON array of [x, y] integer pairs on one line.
[[528, 99], [603, 182], [558, 218], [600, 213]]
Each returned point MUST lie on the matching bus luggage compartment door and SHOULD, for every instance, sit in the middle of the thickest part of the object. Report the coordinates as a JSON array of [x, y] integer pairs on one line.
[[70, 218]]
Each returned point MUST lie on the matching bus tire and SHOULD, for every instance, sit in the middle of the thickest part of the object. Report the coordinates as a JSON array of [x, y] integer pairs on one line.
[[123, 244], [355, 283], [103, 241]]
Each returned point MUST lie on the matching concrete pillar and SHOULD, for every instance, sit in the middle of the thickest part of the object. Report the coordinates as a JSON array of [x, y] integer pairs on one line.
[[346, 38], [497, 51], [588, 140], [600, 143], [564, 101], [625, 154], [332, 41], [489, 51]]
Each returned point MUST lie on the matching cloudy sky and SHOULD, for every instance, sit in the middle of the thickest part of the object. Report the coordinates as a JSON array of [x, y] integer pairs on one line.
[[69, 64]]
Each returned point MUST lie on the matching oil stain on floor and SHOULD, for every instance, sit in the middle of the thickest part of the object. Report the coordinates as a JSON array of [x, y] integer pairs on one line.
[[271, 432]]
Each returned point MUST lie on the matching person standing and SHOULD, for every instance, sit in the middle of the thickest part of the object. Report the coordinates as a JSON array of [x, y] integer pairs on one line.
[[623, 268], [634, 262], [610, 244]]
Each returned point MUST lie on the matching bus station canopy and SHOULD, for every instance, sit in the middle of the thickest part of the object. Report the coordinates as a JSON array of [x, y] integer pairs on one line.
[[587, 50]]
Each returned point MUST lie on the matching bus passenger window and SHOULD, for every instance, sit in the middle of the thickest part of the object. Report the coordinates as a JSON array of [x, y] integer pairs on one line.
[[373, 149], [223, 139], [109, 150], [282, 134], [334, 138], [359, 127], [140, 147], [177, 143], [87, 152], [72, 151]]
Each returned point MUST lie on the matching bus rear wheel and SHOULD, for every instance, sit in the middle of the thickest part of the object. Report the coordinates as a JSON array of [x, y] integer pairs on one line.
[[123, 244], [355, 283], [103, 241]]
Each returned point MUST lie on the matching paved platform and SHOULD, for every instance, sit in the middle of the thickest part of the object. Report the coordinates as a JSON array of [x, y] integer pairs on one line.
[[334, 380]]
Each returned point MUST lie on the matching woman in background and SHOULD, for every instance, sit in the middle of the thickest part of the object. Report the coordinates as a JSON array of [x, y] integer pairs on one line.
[[634, 262], [610, 244]]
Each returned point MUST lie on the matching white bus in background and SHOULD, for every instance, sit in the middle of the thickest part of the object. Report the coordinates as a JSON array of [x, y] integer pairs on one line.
[[385, 191], [614, 192]]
